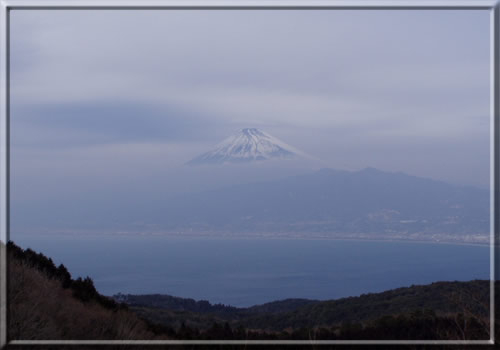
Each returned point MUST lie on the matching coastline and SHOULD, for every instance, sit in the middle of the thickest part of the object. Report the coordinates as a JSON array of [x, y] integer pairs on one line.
[[257, 236]]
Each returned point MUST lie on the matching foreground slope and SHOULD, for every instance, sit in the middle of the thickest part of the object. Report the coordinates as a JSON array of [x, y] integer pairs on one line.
[[46, 303]]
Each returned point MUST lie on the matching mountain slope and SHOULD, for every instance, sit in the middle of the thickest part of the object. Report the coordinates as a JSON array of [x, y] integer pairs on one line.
[[331, 201], [248, 145], [440, 298], [44, 302]]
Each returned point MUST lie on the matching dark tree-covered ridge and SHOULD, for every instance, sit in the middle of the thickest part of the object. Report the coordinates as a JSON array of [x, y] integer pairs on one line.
[[45, 302]]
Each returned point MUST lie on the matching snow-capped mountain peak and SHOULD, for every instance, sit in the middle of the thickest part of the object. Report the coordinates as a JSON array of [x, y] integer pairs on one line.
[[247, 145]]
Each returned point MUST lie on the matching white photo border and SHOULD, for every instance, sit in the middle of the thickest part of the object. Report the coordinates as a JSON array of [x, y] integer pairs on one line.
[[8, 5]]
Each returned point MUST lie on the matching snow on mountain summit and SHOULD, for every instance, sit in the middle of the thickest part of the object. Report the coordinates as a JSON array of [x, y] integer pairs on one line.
[[247, 145]]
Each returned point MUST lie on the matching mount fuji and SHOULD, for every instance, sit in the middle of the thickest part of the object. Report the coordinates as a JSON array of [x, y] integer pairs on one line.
[[247, 145]]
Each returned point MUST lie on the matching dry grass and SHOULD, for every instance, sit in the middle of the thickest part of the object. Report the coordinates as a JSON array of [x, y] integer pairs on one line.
[[40, 309]]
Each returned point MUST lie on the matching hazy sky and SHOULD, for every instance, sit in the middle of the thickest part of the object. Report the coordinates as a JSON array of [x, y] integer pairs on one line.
[[106, 100]]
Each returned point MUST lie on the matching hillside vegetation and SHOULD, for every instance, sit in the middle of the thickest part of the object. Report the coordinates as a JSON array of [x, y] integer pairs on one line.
[[428, 302], [45, 302]]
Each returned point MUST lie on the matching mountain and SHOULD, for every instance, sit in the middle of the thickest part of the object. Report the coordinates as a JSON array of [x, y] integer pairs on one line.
[[332, 202], [429, 301], [247, 145]]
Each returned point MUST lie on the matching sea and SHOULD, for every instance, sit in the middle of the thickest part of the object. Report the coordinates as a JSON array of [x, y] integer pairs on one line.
[[245, 272]]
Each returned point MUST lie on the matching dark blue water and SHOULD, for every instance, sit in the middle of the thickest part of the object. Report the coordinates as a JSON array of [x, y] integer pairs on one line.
[[246, 272]]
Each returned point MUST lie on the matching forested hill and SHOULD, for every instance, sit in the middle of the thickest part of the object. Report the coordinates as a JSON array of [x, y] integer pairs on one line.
[[164, 301], [45, 302], [441, 298]]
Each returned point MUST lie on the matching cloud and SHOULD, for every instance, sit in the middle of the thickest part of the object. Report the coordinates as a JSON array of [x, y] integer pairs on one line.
[[80, 124], [357, 87]]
